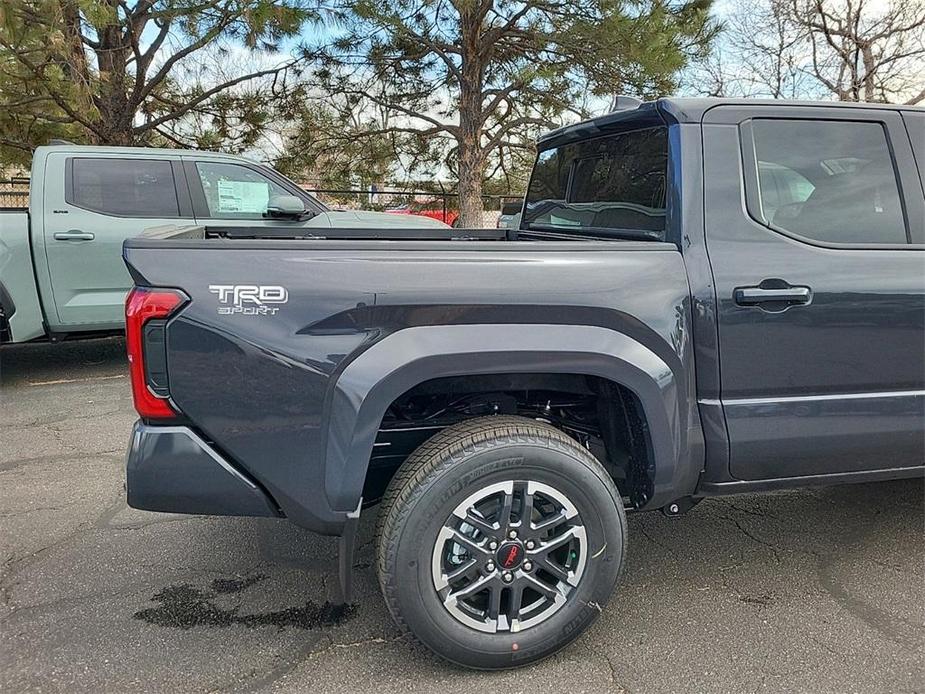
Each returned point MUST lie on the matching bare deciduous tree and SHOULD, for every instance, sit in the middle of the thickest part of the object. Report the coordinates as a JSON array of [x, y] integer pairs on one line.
[[851, 50], [861, 53]]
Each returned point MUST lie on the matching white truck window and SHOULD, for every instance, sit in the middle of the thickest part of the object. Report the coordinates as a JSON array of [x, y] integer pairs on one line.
[[123, 187], [236, 192]]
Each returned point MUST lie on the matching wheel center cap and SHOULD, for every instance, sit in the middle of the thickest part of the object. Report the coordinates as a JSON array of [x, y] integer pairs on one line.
[[510, 555]]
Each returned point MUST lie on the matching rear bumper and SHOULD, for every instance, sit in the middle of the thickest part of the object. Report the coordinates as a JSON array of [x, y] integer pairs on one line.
[[172, 469]]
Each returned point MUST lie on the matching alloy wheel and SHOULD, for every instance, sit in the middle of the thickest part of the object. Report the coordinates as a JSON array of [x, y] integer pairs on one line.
[[509, 556]]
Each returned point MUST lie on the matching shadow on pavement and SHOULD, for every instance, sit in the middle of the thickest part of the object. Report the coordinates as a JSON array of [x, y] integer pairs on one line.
[[39, 362]]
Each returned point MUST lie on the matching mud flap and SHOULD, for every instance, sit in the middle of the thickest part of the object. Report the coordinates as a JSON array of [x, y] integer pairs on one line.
[[346, 547]]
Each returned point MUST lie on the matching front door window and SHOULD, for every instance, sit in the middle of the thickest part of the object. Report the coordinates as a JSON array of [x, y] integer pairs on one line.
[[236, 192]]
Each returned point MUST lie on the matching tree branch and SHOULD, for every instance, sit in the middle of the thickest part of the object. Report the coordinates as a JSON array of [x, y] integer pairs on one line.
[[200, 43], [193, 103]]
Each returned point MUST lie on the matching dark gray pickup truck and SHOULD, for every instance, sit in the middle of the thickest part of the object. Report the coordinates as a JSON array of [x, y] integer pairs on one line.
[[702, 298]]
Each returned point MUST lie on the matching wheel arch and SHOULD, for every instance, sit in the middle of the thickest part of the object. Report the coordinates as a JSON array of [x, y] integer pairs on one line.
[[370, 383]]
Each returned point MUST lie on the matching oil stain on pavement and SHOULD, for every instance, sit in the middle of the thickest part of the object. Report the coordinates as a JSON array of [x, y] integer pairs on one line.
[[185, 606]]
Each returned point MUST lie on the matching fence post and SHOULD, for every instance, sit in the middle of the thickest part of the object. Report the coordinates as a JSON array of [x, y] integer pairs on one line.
[[443, 198]]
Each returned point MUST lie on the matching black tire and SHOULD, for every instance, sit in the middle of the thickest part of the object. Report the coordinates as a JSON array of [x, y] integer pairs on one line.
[[446, 471]]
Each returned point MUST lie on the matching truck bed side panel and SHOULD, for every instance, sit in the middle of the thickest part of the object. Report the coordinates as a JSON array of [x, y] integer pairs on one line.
[[259, 383], [18, 293]]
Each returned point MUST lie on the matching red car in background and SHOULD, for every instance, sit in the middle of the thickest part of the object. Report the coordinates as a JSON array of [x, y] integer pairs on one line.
[[432, 209]]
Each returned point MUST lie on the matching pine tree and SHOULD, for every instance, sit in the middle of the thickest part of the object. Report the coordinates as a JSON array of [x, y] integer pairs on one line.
[[485, 74], [127, 72]]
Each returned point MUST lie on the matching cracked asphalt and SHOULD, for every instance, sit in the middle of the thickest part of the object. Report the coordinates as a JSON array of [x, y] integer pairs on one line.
[[807, 591]]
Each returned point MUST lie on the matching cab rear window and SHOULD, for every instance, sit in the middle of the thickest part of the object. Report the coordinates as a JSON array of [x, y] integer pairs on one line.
[[615, 183]]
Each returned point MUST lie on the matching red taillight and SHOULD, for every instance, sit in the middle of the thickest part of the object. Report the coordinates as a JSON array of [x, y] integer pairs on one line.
[[144, 304]]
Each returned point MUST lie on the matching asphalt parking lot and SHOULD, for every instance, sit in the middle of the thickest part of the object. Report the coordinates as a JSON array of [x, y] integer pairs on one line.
[[815, 590]]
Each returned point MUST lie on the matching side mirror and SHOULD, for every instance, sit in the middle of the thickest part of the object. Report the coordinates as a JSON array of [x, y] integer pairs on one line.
[[285, 207]]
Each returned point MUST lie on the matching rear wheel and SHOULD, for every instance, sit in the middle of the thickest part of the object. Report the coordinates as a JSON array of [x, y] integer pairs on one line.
[[499, 541]]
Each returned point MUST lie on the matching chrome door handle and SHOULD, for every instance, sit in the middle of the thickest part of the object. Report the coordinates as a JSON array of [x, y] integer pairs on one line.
[[74, 235], [753, 296]]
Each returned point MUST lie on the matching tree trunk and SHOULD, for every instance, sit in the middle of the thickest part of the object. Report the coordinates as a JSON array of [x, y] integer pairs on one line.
[[471, 159], [74, 63], [116, 113], [471, 171], [870, 68]]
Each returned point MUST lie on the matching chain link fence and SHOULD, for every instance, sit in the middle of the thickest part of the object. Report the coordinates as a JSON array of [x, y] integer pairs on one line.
[[14, 194]]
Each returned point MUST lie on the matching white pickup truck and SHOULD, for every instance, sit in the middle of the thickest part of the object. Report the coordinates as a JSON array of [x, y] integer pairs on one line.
[[61, 269]]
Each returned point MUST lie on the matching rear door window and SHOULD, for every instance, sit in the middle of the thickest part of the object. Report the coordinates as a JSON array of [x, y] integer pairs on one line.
[[828, 181], [611, 183], [123, 187]]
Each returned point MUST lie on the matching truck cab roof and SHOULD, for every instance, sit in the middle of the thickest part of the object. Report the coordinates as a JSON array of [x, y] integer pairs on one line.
[[143, 151]]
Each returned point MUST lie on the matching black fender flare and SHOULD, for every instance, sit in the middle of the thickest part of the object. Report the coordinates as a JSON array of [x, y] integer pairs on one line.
[[371, 382]]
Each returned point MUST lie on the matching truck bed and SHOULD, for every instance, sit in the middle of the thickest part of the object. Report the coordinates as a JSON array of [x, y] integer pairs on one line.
[[268, 385]]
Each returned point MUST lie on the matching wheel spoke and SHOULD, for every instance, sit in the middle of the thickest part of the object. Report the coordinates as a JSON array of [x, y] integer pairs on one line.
[[468, 543], [470, 590], [555, 543], [494, 602], [557, 571], [548, 522], [504, 516], [476, 520], [461, 571], [526, 509], [545, 590], [517, 599]]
